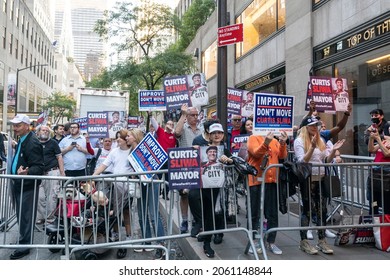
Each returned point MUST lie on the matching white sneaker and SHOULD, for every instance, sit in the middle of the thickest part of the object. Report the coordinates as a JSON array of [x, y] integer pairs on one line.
[[258, 250], [329, 234], [310, 234], [274, 249]]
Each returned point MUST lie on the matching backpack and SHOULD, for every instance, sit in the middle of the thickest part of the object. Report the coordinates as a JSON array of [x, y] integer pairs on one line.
[[92, 163]]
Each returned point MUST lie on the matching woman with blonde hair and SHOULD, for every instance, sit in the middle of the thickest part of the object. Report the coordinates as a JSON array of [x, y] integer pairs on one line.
[[119, 192], [310, 147]]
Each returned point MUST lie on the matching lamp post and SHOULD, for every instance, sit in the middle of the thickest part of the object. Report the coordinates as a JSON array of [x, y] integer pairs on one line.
[[17, 82]]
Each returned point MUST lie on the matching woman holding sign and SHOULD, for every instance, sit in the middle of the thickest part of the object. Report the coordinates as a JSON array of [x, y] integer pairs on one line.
[[264, 151], [203, 202]]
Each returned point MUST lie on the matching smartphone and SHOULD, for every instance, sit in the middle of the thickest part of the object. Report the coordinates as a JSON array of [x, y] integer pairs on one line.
[[74, 143], [375, 126]]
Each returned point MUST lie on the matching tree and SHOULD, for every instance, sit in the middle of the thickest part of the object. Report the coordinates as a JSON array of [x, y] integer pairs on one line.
[[196, 15], [103, 80], [144, 29], [60, 106]]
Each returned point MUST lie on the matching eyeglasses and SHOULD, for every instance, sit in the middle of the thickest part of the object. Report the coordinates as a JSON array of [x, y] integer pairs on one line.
[[236, 120]]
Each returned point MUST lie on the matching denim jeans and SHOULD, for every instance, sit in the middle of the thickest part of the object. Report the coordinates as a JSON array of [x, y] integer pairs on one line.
[[148, 211]]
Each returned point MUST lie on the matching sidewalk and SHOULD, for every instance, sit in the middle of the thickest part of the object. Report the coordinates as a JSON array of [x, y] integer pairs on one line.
[[234, 244]]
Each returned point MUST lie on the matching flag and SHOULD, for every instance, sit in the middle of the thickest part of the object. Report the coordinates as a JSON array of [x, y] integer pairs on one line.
[[42, 118]]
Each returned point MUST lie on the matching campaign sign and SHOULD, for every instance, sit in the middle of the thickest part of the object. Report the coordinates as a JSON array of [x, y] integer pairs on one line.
[[234, 99], [184, 168], [237, 142], [273, 113], [212, 170], [83, 123], [151, 100], [147, 156], [197, 90], [97, 123], [176, 92], [116, 122], [321, 92], [132, 122]]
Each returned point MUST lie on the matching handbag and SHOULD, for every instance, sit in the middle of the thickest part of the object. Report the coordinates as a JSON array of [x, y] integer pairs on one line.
[[382, 234], [332, 184], [243, 167], [353, 235]]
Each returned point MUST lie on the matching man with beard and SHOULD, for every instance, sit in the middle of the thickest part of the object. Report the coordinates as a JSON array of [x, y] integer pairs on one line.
[[54, 166]]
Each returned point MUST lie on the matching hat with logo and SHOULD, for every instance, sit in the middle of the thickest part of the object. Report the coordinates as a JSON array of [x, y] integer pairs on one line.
[[309, 121], [21, 118], [215, 127]]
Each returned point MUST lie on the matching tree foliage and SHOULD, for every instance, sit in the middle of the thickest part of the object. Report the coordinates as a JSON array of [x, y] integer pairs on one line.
[[144, 29], [103, 80], [60, 106], [196, 15]]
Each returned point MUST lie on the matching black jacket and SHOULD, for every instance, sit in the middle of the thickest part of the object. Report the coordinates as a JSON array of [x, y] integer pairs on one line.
[[31, 156]]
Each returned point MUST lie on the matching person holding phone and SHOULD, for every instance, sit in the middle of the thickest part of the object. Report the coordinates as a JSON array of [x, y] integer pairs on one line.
[[74, 151]]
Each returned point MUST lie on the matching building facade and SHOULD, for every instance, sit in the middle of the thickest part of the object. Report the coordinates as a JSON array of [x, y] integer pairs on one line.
[[287, 41], [26, 59]]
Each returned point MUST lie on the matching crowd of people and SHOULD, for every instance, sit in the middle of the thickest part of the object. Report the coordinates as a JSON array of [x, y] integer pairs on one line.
[[65, 151]]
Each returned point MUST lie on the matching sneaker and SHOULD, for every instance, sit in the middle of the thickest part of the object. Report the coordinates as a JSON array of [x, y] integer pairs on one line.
[[324, 247], [309, 234], [160, 254], [140, 250], [274, 249], [307, 248], [184, 227], [208, 250], [329, 234], [258, 250]]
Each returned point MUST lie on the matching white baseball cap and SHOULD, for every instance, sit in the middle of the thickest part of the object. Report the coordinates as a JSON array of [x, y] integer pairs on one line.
[[21, 118], [215, 127]]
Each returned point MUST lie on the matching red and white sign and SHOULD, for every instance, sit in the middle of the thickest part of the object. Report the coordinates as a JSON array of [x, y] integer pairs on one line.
[[230, 34]]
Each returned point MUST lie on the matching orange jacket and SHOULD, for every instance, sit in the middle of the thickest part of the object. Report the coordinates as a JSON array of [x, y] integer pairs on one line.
[[256, 151]]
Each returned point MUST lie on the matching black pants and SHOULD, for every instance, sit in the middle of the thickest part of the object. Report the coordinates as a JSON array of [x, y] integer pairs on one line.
[[270, 208], [24, 202], [315, 204], [202, 204]]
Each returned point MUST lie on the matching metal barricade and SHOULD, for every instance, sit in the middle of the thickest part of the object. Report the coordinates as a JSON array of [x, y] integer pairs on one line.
[[356, 179]]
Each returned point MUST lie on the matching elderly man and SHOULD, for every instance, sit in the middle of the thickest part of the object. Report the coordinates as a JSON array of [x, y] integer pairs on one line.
[[28, 160], [74, 150], [186, 130], [54, 166]]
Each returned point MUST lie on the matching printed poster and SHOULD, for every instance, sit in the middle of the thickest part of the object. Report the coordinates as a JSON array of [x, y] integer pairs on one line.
[[116, 122], [186, 89], [97, 123], [184, 168], [329, 94], [273, 113], [240, 102], [212, 170], [151, 100], [147, 156]]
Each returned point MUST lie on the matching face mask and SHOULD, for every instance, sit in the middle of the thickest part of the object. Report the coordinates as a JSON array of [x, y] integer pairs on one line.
[[375, 120]]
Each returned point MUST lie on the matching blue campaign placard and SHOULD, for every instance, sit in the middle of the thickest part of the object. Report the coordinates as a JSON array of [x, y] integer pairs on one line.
[[147, 156], [97, 123], [151, 100], [184, 168], [273, 113]]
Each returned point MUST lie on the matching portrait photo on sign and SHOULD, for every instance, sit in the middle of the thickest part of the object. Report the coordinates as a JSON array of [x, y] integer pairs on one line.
[[340, 94], [212, 170], [197, 90], [247, 104]]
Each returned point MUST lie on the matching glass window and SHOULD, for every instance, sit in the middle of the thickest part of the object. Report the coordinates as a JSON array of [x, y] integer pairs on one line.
[[368, 77], [209, 60], [260, 19]]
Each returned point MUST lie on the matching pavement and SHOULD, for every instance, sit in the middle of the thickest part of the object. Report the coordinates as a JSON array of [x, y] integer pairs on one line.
[[233, 246]]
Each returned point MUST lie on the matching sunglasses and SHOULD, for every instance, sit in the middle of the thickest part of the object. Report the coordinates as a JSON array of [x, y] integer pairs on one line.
[[236, 120]]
